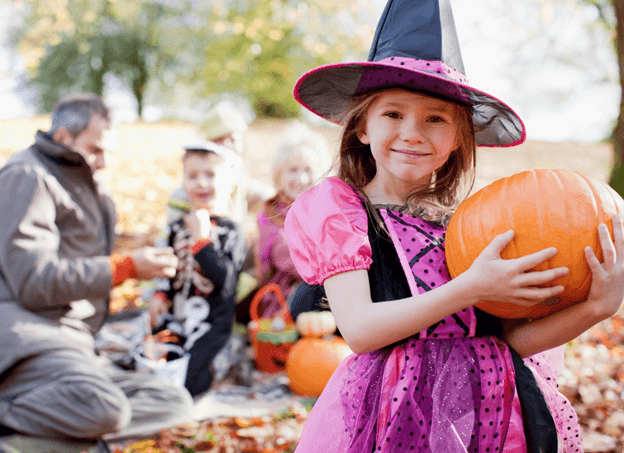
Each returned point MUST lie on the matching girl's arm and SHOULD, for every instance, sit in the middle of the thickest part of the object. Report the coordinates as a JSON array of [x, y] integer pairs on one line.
[[604, 300], [367, 326]]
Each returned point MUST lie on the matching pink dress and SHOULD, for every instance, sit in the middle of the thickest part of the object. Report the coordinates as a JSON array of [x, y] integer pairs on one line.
[[274, 263], [446, 389]]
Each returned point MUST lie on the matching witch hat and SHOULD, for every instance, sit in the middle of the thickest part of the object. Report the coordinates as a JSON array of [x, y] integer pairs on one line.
[[416, 48]]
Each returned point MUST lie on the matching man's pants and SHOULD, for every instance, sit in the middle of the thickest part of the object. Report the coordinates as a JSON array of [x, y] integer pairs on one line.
[[71, 394]]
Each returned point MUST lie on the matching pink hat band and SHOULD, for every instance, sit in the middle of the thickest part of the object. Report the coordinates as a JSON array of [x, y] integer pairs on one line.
[[372, 80]]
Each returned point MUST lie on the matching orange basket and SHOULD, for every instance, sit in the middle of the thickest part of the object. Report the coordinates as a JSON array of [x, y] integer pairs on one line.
[[271, 343]]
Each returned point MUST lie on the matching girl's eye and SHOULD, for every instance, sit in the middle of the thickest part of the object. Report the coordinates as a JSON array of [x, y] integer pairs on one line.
[[437, 119], [393, 115]]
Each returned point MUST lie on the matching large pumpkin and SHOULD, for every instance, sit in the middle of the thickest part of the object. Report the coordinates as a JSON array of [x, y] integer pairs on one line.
[[545, 208], [312, 360]]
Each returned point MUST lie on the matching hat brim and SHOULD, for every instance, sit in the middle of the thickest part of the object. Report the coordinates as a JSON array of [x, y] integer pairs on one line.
[[329, 90]]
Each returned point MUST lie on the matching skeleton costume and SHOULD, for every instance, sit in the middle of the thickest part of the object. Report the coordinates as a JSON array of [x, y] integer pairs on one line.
[[203, 292]]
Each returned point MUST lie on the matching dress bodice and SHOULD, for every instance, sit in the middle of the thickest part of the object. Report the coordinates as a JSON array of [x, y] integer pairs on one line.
[[420, 248]]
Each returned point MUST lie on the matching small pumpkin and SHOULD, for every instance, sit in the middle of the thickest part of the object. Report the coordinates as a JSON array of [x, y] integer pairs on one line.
[[545, 208], [315, 324], [313, 359]]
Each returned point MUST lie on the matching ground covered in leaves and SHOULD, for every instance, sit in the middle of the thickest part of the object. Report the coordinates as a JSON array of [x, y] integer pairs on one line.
[[269, 434], [146, 167]]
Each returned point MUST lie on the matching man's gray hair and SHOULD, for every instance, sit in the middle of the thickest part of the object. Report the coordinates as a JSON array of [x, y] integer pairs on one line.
[[74, 113]]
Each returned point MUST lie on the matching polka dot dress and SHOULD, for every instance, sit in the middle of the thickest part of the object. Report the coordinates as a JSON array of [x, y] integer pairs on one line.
[[443, 390]]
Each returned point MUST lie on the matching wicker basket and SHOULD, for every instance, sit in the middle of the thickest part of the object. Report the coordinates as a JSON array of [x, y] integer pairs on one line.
[[271, 345]]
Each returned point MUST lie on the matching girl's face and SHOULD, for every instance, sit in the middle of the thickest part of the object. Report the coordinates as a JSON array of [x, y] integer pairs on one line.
[[204, 180], [411, 135], [296, 177]]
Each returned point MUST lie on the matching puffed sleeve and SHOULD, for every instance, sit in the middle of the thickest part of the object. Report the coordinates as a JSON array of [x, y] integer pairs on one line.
[[327, 232]]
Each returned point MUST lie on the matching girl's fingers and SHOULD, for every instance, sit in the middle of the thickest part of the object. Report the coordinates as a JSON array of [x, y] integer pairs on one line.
[[499, 242], [592, 260], [541, 277], [618, 238], [530, 261], [532, 296], [608, 249]]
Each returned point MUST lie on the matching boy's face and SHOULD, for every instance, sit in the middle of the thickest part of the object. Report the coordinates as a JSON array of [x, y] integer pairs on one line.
[[204, 179]]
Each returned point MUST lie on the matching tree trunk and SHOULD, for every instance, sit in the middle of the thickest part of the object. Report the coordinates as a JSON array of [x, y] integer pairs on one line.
[[617, 138]]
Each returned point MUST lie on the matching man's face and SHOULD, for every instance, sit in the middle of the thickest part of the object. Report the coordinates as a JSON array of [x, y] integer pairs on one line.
[[88, 143]]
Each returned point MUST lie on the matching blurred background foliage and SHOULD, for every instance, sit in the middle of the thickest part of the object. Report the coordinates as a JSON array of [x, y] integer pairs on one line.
[[253, 49]]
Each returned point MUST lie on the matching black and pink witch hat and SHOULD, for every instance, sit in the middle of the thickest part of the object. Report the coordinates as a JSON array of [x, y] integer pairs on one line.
[[415, 47]]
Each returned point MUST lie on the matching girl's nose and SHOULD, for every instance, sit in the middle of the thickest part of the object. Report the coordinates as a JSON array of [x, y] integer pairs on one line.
[[304, 178], [411, 131]]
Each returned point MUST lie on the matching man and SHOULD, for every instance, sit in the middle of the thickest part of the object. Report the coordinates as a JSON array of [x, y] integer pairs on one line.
[[56, 272]]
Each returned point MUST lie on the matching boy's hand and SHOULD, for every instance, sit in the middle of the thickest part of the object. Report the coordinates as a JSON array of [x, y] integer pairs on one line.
[[607, 288], [501, 280], [152, 262], [157, 307], [198, 223]]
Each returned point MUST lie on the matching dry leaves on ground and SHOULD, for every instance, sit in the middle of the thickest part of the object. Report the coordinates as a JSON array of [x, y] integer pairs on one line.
[[278, 433], [593, 381]]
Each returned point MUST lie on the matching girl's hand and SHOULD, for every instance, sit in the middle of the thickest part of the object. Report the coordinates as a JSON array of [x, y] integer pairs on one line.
[[198, 223], [511, 281], [607, 288]]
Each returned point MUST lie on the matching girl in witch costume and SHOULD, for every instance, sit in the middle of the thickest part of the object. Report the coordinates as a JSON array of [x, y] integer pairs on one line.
[[430, 373]]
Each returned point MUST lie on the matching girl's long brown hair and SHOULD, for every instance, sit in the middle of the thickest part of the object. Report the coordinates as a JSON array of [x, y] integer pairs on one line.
[[450, 183]]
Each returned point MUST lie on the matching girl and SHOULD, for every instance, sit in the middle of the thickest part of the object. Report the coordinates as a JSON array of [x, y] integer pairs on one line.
[[431, 372], [298, 164]]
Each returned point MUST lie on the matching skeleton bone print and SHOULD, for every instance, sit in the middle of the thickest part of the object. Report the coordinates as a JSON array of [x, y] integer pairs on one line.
[[190, 308]]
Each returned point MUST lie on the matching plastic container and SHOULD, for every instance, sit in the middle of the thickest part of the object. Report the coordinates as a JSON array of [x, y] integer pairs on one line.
[[164, 360]]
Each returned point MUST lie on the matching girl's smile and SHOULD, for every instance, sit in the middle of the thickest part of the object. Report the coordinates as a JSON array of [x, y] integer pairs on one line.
[[411, 136]]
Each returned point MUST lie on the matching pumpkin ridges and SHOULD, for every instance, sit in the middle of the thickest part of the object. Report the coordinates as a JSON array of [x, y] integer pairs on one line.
[[561, 206]]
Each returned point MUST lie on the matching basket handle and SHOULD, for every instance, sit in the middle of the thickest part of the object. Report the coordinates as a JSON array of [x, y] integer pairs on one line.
[[274, 288]]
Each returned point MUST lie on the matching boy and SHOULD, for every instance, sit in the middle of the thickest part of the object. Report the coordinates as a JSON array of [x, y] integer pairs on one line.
[[198, 303]]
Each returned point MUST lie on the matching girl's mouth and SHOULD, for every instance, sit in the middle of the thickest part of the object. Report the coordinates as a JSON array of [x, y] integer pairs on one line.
[[412, 154]]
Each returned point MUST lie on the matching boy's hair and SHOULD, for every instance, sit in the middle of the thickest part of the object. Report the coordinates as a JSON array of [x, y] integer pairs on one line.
[[208, 148], [201, 153], [299, 140], [73, 113], [450, 184]]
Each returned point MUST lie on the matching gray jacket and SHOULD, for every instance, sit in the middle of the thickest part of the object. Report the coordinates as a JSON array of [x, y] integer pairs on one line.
[[56, 235]]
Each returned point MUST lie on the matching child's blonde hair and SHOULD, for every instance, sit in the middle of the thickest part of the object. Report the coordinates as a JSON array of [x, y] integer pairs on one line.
[[300, 141], [450, 183]]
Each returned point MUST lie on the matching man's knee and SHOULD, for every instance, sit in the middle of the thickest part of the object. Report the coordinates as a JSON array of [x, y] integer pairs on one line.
[[80, 408], [97, 409]]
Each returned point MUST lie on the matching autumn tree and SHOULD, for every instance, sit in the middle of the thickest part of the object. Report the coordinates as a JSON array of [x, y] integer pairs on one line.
[[253, 49], [72, 46], [617, 139]]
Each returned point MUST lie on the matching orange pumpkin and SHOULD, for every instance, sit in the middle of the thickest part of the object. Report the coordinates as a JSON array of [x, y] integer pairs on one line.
[[545, 208], [312, 360]]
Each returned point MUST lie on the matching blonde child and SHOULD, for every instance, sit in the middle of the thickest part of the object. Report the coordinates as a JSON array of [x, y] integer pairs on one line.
[[299, 162], [430, 373], [198, 302]]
